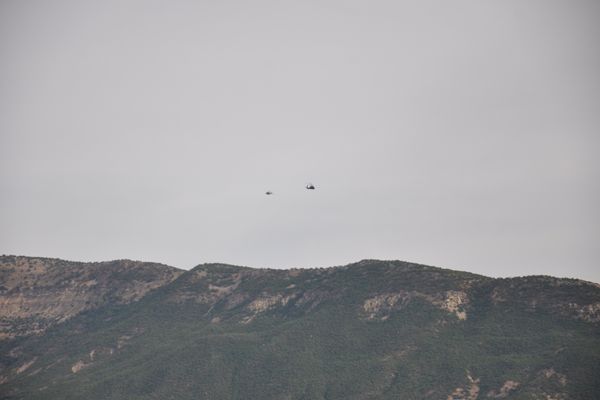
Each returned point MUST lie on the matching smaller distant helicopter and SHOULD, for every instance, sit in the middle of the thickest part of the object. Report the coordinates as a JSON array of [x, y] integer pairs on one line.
[[310, 186], [268, 193]]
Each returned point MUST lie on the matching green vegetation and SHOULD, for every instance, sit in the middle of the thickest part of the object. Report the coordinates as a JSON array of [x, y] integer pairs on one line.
[[370, 330]]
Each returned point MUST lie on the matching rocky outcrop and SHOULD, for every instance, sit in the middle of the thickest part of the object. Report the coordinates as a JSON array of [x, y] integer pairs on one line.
[[503, 391], [36, 293], [586, 312], [380, 306], [469, 392]]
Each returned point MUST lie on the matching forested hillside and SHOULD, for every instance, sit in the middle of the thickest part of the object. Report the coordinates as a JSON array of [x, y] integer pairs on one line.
[[369, 330]]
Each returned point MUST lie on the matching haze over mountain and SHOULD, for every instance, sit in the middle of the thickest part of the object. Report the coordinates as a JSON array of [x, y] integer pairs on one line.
[[368, 330]]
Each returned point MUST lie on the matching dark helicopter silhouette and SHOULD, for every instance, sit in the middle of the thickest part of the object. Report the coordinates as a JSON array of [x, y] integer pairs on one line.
[[308, 186]]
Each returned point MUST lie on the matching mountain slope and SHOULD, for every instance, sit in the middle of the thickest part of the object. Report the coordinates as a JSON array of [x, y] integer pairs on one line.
[[36, 293], [370, 330]]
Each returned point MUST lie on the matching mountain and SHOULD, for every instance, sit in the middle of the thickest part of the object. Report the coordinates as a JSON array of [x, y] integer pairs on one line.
[[369, 330], [37, 293]]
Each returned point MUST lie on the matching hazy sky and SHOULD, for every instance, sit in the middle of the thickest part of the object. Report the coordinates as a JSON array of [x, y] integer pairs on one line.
[[462, 134]]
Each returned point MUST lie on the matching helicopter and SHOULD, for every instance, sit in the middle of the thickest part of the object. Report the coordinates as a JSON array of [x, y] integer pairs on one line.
[[309, 186]]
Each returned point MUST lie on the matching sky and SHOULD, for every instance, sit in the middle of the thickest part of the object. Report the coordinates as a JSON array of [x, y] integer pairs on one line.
[[460, 134]]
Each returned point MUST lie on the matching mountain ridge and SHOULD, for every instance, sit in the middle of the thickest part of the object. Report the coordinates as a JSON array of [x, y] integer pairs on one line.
[[368, 330], [356, 263]]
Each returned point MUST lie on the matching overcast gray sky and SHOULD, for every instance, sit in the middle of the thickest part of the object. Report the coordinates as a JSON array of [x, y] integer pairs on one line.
[[462, 134]]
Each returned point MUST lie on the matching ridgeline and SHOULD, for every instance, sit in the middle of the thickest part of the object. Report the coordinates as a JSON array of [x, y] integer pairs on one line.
[[369, 330]]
